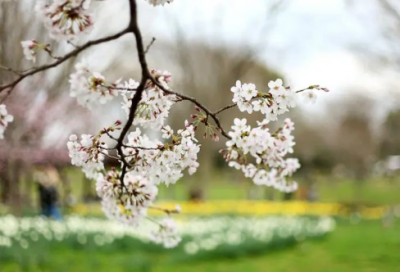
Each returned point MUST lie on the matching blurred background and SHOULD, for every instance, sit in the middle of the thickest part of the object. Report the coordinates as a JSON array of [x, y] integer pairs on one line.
[[348, 142]]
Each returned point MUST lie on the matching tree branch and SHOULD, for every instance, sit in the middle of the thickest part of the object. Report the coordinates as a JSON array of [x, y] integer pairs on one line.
[[149, 45], [73, 53], [194, 101], [133, 27]]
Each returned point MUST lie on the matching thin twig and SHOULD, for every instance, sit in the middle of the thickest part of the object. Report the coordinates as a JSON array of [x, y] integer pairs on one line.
[[149, 45], [51, 53], [10, 70], [167, 211], [225, 108], [71, 43], [110, 156]]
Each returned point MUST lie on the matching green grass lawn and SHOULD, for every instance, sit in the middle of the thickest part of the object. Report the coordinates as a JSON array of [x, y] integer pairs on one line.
[[226, 186], [363, 247]]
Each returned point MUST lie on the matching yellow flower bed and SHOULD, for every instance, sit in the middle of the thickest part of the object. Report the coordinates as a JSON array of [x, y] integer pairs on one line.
[[250, 208]]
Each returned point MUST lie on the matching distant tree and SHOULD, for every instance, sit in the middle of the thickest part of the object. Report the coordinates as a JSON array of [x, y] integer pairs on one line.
[[390, 140]]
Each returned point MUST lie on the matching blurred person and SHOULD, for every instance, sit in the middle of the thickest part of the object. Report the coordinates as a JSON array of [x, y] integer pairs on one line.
[[196, 195], [48, 180]]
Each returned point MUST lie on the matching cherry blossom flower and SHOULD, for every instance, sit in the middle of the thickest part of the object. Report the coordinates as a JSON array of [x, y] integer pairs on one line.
[[88, 154], [249, 91], [266, 150], [163, 163], [126, 201], [276, 87], [114, 210], [65, 19], [137, 190], [167, 132], [90, 88], [154, 105], [31, 47], [310, 96]]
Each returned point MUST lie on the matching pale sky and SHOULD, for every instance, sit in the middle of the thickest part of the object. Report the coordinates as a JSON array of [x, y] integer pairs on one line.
[[308, 43]]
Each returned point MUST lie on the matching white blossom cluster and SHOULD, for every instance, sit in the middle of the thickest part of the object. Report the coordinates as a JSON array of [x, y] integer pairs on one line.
[[126, 202], [155, 104], [5, 119], [88, 154], [65, 19], [163, 163], [151, 162], [265, 151], [277, 101], [90, 88]]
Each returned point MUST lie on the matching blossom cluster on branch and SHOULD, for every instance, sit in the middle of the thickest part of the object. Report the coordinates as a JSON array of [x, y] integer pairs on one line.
[[127, 192]]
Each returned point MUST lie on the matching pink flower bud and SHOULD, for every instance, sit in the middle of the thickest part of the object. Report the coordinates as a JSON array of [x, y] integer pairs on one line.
[[325, 90]]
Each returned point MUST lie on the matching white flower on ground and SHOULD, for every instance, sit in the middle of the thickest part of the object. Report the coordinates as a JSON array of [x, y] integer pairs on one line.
[[167, 233], [5, 119]]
